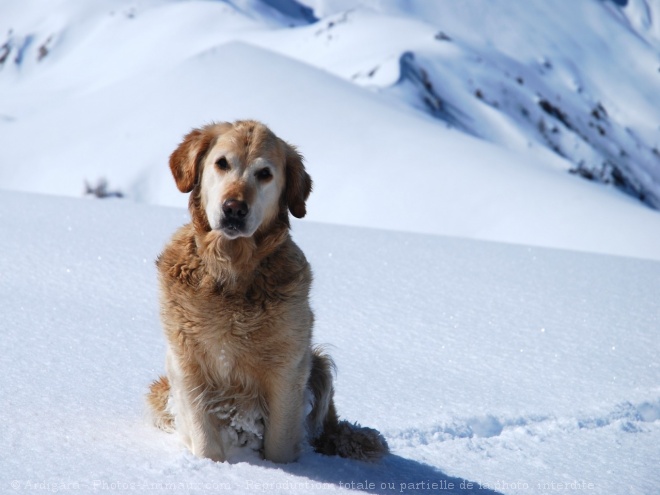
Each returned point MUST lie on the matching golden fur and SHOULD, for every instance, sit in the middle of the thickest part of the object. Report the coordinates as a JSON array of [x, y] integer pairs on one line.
[[234, 291]]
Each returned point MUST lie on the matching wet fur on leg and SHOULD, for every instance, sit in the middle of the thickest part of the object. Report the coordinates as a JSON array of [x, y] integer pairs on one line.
[[326, 434]]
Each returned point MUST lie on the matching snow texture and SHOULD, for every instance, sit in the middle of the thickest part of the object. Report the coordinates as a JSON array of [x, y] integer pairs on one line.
[[516, 369], [528, 365]]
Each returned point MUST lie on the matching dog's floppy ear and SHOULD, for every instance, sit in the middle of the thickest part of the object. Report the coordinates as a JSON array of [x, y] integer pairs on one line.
[[298, 182], [186, 159]]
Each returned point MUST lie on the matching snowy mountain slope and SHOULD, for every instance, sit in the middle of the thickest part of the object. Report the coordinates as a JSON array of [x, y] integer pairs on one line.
[[118, 83], [517, 369], [641, 16], [577, 78], [480, 199]]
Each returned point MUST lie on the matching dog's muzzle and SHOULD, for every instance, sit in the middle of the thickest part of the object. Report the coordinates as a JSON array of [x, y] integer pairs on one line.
[[234, 214]]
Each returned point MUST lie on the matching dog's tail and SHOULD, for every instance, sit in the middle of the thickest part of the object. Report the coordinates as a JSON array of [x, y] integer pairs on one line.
[[157, 398], [327, 434]]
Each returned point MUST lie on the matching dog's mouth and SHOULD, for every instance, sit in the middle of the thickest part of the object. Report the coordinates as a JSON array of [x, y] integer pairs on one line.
[[232, 228]]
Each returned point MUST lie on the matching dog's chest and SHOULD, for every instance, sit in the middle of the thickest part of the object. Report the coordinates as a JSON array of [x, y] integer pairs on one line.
[[249, 325], [247, 313], [260, 320]]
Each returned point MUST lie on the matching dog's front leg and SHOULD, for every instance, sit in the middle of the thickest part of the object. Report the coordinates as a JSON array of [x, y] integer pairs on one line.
[[192, 419], [204, 435], [284, 428]]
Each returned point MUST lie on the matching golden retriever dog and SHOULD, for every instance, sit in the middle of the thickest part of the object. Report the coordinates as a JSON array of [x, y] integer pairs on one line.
[[234, 288]]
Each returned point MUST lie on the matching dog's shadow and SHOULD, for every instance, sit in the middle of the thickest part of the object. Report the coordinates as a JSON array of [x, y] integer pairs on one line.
[[393, 474]]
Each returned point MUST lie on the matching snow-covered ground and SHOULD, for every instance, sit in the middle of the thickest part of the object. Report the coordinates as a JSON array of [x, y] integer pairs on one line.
[[491, 367], [434, 117], [517, 369]]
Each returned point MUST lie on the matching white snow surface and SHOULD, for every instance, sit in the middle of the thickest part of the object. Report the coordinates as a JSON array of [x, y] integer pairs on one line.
[[520, 370], [449, 118], [431, 129]]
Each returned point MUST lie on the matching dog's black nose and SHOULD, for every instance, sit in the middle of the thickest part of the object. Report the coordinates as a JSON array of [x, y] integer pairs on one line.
[[233, 208]]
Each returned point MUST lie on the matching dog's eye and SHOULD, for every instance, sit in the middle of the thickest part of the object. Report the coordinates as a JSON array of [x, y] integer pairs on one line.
[[264, 174], [222, 163]]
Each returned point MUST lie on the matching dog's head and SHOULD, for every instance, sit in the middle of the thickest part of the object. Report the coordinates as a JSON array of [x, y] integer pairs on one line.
[[242, 177]]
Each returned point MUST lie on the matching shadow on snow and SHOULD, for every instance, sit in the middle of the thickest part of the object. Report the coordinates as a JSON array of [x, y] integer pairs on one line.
[[393, 474]]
